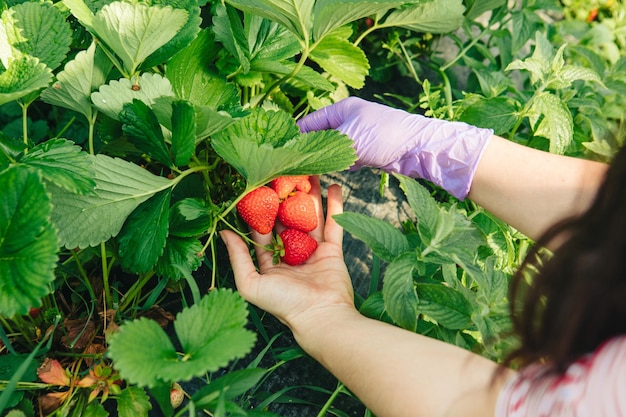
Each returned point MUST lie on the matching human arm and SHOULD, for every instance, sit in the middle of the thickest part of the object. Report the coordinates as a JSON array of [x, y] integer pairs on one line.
[[529, 189], [532, 190], [393, 371]]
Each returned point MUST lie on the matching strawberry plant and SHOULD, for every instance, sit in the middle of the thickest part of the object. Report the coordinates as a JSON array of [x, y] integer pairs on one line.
[[133, 132]]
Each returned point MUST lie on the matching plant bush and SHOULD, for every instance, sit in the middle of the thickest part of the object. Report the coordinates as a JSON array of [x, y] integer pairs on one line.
[[130, 130]]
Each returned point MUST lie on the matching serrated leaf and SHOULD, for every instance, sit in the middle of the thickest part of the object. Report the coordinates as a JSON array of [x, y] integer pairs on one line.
[[212, 333], [95, 409], [229, 32], [399, 291], [11, 150], [433, 16], [142, 238], [331, 14], [141, 127], [133, 402], [445, 305], [180, 258], [421, 202], [38, 30], [135, 30], [385, 241], [215, 329], [295, 15], [342, 59], [496, 113], [143, 367], [192, 79], [306, 75], [183, 132], [80, 11], [565, 76], [64, 164], [23, 76], [556, 125], [183, 37], [28, 241], [92, 219], [190, 218], [74, 85], [267, 144], [111, 97]]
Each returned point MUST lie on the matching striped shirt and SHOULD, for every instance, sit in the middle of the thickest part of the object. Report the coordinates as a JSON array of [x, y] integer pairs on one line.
[[593, 386]]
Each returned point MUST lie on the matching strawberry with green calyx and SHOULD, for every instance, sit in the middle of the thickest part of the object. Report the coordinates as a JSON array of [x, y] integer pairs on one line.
[[288, 184], [259, 209], [298, 212], [293, 247]]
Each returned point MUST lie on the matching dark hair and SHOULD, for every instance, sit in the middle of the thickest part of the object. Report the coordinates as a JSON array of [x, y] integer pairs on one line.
[[575, 298]]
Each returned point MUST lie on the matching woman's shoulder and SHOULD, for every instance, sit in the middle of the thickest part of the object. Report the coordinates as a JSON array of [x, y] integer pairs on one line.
[[593, 385]]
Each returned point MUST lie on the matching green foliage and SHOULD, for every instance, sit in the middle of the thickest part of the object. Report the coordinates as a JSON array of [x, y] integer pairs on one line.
[[131, 129], [210, 332]]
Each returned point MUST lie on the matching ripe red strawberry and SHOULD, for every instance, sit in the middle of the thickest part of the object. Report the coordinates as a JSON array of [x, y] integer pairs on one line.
[[297, 211], [294, 247], [288, 184], [259, 209]]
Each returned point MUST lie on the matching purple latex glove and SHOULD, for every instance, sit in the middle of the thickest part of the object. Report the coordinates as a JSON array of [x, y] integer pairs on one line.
[[445, 153]]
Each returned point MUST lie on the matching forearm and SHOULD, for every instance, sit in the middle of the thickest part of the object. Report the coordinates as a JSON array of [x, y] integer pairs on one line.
[[532, 190], [396, 372]]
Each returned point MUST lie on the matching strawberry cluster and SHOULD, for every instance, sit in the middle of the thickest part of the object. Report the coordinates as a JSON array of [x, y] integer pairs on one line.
[[287, 200]]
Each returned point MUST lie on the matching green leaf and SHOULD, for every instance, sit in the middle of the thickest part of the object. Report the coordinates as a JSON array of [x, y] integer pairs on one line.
[[399, 291], [497, 113], [142, 238], [134, 30], [141, 127], [552, 120], [110, 98], [38, 30], [331, 14], [565, 76], [211, 333], [477, 7], [64, 164], [432, 16], [95, 409], [74, 85], [230, 385], [185, 34], [183, 132], [295, 15], [229, 32], [80, 11], [306, 75], [385, 241], [267, 144], [193, 80], [445, 305], [133, 402], [180, 258], [28, 241], [190, 218], [143, 367], [342, 59], [421, 202], [88, 220], [23, 76]]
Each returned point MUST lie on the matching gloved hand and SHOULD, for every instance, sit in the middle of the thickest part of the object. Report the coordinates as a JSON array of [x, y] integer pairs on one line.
[[445, 153]]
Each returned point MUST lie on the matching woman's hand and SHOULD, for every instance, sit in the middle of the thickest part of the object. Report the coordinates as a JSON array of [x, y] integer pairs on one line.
[[393, 140], [294, 294]]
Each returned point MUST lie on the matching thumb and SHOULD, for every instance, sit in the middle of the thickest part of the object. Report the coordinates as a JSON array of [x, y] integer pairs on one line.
[[240, 260]]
